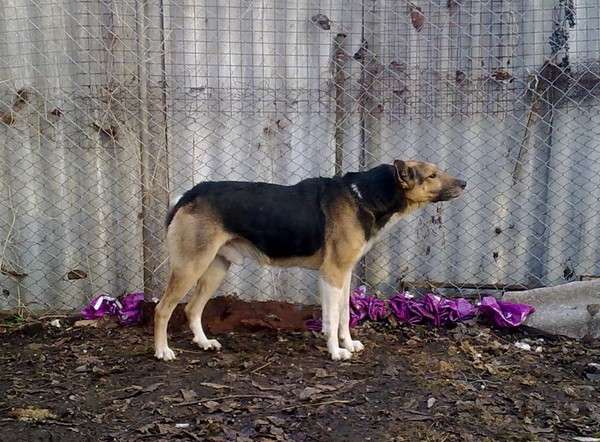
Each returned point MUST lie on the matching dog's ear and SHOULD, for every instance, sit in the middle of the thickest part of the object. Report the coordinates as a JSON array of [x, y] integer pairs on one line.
[[405, 176]]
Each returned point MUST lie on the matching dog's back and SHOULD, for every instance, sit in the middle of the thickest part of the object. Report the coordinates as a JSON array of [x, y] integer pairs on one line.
[[280, 221]]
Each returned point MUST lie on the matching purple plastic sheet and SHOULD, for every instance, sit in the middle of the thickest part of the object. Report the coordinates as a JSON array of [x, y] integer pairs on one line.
[[315, 325], [363, 306], [442, 311], [100, 306], [460, 310], [131, 313], [504, 314], [433, 309], [128, 310], [405, 309]]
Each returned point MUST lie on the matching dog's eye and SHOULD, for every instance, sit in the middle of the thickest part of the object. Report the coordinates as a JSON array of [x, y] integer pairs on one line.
[[433, 175]]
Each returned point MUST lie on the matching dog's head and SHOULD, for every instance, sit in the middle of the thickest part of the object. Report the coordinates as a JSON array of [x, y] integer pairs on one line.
[[426, 183]]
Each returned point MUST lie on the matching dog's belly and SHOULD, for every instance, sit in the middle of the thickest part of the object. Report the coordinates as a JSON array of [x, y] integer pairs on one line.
[[237, 250]]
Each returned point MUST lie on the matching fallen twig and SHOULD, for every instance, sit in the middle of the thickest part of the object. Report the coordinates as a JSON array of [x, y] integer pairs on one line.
[[256, 370], [40, 318], [192, 435], [261, 388], [232, 396], [62, 424], [316, 404], [420, 413], [195, 352]]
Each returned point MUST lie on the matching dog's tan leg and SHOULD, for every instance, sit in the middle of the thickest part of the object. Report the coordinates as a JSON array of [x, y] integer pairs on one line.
[[180, 281], [205, 287], [183, 276], [347, 342], [331, 286]]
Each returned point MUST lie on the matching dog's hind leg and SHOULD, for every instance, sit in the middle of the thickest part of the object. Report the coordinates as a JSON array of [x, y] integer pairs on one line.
[[205, 287], [347, 342], [182, 278], [180, 281]]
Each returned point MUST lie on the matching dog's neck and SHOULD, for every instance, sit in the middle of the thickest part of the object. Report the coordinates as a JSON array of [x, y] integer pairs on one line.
[[377, 191]]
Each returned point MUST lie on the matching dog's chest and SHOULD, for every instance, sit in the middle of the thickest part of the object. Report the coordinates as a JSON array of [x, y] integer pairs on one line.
[[382, 232]]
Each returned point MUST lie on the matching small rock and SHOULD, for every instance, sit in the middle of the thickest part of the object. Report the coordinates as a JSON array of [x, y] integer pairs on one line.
[[188, 395], [308, 392], [523, 346], [87, 323], [592, 371], [390, 370], [275, 430], [35, 346], [431, 402], [276, 421], [212, 406], [99, 371], [321, 373], [56, 323], [163, 429]]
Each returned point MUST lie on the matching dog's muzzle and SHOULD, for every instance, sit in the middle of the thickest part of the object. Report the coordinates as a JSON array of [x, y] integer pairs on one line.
[[452, 192]]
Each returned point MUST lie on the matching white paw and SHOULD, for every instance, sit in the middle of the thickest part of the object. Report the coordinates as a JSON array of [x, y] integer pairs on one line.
[[208, 344], [165, 353], [340, 354], [353, 346]]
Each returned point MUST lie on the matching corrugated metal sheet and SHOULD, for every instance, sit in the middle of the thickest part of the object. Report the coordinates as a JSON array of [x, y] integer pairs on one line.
[[69, 193], [249, 95]]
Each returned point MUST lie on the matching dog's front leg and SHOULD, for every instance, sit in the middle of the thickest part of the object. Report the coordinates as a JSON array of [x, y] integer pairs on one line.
[[344, 327], [331, 302]]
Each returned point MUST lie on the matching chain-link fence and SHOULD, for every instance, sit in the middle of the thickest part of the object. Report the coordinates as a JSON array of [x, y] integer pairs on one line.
[[108, 107]]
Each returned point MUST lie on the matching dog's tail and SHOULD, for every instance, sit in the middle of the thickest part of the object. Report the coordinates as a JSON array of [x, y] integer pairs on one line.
[[173, 207]]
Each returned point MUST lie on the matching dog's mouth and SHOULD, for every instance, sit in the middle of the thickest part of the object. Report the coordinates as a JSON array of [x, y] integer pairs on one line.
[[450, 193]]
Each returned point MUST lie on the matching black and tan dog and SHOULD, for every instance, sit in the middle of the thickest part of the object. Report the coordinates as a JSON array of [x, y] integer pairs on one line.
[[326, 224]]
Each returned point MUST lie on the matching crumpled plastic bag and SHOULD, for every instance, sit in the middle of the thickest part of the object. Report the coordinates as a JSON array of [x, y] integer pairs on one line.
[[131, 312], [315, 325], [128, 310], [433, 309], [363, 306], [100, 306], [503, 313], [405, 309]]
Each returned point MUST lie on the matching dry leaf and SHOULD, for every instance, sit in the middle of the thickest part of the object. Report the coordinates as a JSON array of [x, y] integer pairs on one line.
[[32, 414], [188, 395]]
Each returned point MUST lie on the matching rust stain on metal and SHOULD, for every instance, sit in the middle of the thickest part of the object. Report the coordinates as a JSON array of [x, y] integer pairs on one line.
[[417, 18], [9, 117], [322, 21], [57, 112], [108, 131]]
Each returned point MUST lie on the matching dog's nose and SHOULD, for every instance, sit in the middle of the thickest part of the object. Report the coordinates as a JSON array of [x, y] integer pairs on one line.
[[462, 184]]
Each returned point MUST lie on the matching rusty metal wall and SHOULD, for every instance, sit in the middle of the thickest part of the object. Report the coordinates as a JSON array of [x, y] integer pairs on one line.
[[109, 105]]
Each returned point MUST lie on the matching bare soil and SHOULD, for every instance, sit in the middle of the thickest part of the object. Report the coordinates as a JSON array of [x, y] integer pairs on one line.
[[467, 383]]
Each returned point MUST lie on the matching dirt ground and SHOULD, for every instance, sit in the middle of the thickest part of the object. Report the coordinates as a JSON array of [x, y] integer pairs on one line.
[[468, 383]]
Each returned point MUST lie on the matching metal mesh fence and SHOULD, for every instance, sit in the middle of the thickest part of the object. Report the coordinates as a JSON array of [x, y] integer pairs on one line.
[[108, 107]]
